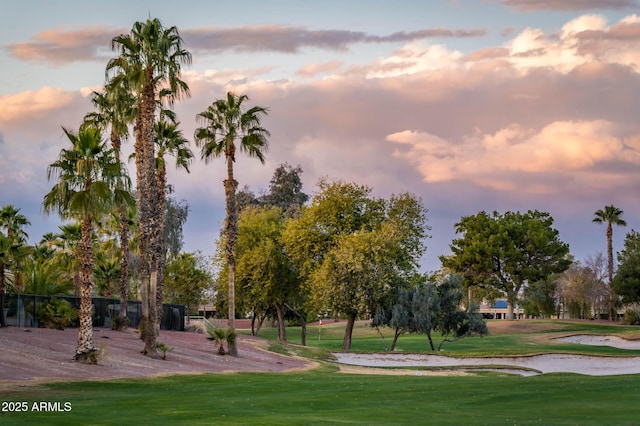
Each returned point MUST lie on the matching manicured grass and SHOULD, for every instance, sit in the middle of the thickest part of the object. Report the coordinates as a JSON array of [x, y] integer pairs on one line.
[[324, 396], [531, 340]]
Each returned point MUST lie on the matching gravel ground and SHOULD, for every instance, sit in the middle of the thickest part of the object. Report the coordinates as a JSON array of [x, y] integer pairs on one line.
[[38, 354]]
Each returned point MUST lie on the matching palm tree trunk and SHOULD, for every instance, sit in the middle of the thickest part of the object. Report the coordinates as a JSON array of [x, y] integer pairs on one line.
[[122, 324], [230, 185], [85, 333], [161, 182], [612, 308], [2, 286], [145, 173]]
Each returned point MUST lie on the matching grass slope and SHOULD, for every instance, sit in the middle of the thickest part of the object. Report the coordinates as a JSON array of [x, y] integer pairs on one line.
[[324, 396]]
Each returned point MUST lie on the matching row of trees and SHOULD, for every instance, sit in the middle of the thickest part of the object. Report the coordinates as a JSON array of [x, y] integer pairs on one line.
[[520, 257], [346, 253], [90, 181]]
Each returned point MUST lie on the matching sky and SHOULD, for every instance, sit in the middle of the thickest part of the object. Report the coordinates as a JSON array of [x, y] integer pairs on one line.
[[471, 105]]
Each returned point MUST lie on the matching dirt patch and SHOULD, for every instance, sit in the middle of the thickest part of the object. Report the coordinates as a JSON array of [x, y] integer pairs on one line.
[[519, 326], [40, 355]]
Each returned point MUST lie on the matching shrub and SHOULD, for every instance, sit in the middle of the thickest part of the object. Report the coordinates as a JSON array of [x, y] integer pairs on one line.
[[164, 349], [57, 313], [119, 323], [632, 317], [220, 336]]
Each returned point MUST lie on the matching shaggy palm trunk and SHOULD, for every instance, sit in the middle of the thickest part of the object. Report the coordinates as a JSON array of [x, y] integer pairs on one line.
[[147, 194], [122, 322], [124, 266], [231, 232], [85, 347], [2, 286], [161, 183], [2, 278], [612, 308]]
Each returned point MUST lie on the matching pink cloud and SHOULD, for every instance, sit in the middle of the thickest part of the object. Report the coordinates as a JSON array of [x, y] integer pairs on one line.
[[64, 44], [278, 38], [561, 148], [314, 69], [536, 5], [32, 104]]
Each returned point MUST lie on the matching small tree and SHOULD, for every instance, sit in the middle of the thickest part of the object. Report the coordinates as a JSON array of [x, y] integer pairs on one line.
[[186, 280], [627, 280]]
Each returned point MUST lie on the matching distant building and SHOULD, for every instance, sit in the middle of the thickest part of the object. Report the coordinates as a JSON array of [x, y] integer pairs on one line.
[[498, 310]]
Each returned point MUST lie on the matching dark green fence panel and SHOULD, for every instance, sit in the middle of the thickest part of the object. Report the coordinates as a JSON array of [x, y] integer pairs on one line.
[[22, 310]]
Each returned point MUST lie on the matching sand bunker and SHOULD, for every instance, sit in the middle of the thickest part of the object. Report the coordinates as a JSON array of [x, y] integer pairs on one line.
[[527, 365], [524, 365], [593, 340]]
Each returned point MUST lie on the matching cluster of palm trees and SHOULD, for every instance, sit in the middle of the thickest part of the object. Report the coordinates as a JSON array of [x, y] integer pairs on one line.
[[13, 250], [91, 183]]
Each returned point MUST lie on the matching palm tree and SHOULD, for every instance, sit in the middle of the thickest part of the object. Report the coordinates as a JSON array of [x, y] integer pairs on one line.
[[225, 123], [86, 176], [116, 110], [611, 215], [67, 251], [149, 65], [169, 140], [13, 248]]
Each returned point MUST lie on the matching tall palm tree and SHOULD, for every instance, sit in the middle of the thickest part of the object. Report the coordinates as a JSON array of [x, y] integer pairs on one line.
[[13, 248], [116, 110], [611, 215], [86, 176], [169, 140], [149, 65], [225, 123]]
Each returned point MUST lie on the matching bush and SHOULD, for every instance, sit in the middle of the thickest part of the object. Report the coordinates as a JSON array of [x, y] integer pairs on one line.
[[57, 313], [220, 336], [631, 317]]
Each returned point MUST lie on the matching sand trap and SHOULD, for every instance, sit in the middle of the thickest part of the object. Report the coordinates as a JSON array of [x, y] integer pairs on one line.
[[594, 340], [525, 365]]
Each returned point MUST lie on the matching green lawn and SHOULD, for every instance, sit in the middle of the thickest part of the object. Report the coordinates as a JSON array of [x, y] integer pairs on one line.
[[538, 339], [324, 396]]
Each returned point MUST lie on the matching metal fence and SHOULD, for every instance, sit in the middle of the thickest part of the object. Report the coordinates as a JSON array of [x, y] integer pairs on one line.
[[22, 310]]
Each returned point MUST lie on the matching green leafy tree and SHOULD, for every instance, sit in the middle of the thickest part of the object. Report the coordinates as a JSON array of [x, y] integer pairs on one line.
[[454, 323], [176, 213], [149, 67], [228, 127], [86, 176], [611, 215], [186, 281], [264, 271], [539, 298], [627, 280], [355, 251], [505, 251], [285, 189]]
